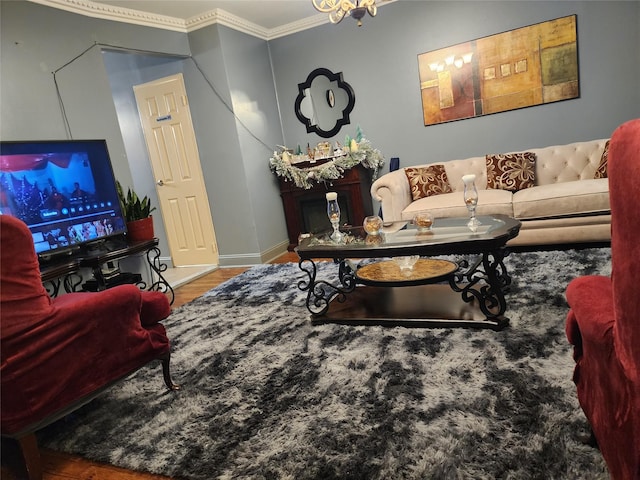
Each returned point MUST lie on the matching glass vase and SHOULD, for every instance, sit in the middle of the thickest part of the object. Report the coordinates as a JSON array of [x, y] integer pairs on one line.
[[471, 200], [333, 212]]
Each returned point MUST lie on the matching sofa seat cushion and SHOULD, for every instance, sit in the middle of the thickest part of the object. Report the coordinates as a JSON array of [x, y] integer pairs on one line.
[[452, 204], [567, 198]]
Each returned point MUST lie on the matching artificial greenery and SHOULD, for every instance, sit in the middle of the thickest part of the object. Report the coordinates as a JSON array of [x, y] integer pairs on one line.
[[133, 207], [365, 155]]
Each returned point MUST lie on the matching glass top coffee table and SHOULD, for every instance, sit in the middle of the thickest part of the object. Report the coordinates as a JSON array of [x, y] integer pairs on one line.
[[430, 292]]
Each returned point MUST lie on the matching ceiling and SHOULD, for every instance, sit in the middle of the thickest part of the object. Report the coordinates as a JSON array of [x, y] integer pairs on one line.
[[268, 14], [266, 19]]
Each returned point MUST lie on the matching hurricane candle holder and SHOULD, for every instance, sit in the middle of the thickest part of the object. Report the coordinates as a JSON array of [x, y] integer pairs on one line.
[[333, 212], [471, 200]]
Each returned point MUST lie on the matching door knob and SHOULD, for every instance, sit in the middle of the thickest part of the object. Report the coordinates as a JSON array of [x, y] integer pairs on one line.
[[160, 182]]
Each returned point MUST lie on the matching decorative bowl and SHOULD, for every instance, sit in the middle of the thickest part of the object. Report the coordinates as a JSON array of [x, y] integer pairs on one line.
[[423, 220], [372, 225]]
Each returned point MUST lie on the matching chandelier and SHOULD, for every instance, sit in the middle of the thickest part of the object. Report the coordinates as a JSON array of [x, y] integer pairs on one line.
[[338, 9]]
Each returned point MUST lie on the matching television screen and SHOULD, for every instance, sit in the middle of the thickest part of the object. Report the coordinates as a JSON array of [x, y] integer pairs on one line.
[[65, 191]]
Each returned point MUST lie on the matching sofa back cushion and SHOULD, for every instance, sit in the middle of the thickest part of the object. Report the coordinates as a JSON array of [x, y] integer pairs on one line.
[[456, 169], [566, 163], [555, 164]]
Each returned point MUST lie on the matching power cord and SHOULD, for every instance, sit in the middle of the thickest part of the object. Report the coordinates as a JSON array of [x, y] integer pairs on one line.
[[146, 52]]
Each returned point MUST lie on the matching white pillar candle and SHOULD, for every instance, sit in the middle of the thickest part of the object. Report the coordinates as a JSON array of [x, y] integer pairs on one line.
[[469, 178]]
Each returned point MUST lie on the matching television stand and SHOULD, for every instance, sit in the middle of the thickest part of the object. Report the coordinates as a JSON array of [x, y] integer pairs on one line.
[[122, 278], [115, 243], [67, 272], [54, 256]]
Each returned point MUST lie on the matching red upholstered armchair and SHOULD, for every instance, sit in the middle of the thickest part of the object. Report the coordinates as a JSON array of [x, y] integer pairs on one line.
[[604, 321], [58, 354]]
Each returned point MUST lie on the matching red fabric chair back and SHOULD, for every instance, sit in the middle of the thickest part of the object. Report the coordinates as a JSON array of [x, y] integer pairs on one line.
[[23, 300], [624, 190]]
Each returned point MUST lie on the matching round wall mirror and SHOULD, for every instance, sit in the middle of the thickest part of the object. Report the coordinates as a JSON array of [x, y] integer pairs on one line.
[[324, 102]]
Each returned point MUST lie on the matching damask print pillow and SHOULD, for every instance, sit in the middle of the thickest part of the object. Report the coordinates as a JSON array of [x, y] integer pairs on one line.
[[601, 171], [511, 171], [427, 181]]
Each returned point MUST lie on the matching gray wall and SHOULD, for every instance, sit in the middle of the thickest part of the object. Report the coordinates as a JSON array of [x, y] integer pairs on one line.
[[97, 96], [237, 129], [36, 41], [258, 80], [379, 60], [248, 68]]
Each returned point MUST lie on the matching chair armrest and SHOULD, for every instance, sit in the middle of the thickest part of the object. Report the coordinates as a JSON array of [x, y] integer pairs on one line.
[[121, 299], [150, 307], [155, 307], [103, 326], [591, 301], [392, 190]]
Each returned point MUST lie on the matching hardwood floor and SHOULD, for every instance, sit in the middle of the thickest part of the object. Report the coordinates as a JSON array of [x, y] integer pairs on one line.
[[61, 466]]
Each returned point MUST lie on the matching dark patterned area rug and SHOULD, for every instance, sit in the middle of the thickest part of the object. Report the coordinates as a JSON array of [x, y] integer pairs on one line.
[[267, 395]]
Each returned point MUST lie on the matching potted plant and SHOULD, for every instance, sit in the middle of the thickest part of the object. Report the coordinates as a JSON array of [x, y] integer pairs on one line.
[[137, 214]]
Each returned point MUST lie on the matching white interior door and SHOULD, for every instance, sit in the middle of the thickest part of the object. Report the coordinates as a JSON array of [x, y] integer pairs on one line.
[[168, 131]]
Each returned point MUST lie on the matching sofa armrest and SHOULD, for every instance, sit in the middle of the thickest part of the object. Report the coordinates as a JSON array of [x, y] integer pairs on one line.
[[392, 191]]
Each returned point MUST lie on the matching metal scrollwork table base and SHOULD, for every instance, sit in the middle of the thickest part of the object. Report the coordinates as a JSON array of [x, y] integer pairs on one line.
[[469, 292], [66, 273]]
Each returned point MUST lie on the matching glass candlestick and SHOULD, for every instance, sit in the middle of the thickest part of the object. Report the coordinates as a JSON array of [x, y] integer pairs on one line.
[[333, 212], [471, 200]]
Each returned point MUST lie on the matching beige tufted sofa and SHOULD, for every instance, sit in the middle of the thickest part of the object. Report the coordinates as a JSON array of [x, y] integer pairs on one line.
[[566, 204]]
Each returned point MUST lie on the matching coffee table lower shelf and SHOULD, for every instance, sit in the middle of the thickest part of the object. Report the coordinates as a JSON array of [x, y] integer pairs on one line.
[[434, 305]]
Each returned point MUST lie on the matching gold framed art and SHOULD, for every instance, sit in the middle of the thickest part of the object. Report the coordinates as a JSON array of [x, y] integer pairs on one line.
[[520, 68]]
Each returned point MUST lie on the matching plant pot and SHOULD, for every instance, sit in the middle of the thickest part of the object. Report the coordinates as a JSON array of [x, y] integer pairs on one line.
[[140, 230]]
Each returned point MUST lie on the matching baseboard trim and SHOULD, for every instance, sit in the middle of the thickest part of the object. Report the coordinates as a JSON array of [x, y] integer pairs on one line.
[[275, 251], [248, 259]]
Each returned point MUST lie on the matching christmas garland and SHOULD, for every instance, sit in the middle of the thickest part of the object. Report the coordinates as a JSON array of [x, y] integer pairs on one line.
[[364, 155]]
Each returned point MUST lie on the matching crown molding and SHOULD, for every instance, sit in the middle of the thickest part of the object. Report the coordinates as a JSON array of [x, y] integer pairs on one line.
[[222, 17], [217, 16], [298, 26], [117, 14]]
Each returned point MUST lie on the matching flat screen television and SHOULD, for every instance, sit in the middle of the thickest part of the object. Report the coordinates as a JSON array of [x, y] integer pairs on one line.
[[64, 190]]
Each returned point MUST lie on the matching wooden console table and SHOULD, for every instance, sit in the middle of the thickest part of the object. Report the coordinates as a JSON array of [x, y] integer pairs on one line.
[[66, 273], [353, 191]]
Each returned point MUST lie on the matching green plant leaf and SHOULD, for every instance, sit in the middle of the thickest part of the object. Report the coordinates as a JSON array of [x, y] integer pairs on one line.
[[133, 207]]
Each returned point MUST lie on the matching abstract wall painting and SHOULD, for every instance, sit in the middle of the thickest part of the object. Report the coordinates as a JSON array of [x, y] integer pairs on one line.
[[520, 68]]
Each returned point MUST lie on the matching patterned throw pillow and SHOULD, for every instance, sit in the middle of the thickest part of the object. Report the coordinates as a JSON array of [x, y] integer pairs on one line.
[[427, 181], [511, 171], [601, 171]]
